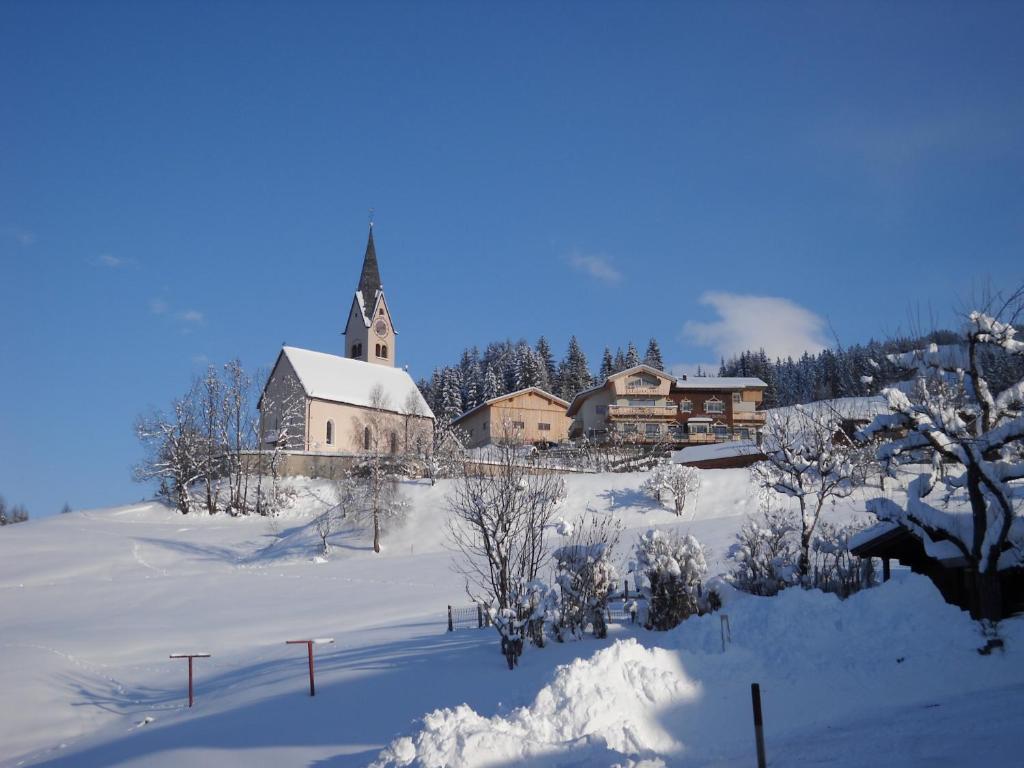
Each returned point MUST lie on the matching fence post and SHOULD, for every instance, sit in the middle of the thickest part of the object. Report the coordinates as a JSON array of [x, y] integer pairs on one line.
[[450, 625], [755, 694], [625, 583], [726, 629], [479, 616]]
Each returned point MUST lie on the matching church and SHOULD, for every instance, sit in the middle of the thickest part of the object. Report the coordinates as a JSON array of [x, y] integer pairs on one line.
[[316, 404]]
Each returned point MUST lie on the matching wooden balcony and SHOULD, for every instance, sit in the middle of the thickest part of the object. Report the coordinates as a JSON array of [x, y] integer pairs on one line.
[[642, 412]]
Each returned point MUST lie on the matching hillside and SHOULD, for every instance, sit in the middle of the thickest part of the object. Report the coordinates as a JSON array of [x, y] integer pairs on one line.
[[95, 601]]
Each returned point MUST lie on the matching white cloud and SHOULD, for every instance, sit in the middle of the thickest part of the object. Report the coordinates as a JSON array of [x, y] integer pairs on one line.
[[193, 316], [113, 262], [598, 267], [158, 306], [25, 238], [779, 326]]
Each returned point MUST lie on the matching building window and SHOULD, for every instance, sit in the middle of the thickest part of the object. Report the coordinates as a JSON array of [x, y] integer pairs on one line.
[[721, 430], [737, 397], [652, 430], [629, 427], [366, 438], [635, 402], [697, 429], [330, 433], [380, 311], [686, 406], [601, 410], [376, 350], [394, 442], [543, 427], [714, 405], [485, 426], [384, 351], [357, 350], [518, 425], [642, 382]]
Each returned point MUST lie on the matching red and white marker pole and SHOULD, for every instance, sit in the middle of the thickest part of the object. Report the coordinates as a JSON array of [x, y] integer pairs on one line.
[[190, 656], [309, 649]]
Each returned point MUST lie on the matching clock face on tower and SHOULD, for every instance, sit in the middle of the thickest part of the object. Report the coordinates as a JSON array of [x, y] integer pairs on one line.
[[381, 328]]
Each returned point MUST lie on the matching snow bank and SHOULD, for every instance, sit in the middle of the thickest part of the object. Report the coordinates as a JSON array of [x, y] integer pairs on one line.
[[822, 663], [606, 704]]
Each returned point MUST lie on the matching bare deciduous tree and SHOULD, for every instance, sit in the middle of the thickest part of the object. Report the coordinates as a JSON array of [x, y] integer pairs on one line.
[[807, 463], [499, 515], [174, 451]]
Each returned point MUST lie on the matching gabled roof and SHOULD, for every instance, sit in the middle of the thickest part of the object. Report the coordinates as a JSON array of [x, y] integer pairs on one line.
[[725, 383], [582, 396], [343, 380], [493, 400]]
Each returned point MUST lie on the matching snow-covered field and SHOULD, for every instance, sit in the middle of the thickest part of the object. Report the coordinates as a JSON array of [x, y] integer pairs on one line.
[[94, 602]]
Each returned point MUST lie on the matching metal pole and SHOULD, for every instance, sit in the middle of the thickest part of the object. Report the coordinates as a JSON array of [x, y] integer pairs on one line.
[[450, 627], [190, 681], [190, 656], [755, 694]]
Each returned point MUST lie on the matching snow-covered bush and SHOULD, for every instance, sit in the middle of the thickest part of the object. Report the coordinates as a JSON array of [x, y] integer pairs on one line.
[[835, 569], [674, 567], [672, 482], [586, 574], [765, 553]]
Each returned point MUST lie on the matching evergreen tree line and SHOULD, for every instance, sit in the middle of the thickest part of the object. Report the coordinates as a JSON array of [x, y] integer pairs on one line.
[[12, 515], [855, 371], [508, 366]]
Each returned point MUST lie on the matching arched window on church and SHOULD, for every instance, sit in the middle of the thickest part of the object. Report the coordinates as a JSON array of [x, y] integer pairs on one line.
[[377, 350], [366, 438], [330, 433], [383, 351], [357, 350], [394, 442]]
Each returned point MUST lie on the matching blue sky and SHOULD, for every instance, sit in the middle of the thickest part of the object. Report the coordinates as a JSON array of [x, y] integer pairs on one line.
[[189, 182]]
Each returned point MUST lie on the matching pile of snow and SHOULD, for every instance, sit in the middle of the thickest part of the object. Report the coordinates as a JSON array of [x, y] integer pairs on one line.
[[606, 704], [821, 662]]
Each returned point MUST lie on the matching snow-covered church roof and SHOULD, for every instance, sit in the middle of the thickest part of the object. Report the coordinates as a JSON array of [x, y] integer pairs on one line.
[[343, 380]]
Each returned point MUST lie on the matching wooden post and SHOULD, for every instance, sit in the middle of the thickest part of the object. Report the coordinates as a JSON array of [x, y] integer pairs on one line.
[[726, 629], [190, 656], [755, 694], [625, 583], [309, 650], [479, 616], [885, 569], [450, 625]]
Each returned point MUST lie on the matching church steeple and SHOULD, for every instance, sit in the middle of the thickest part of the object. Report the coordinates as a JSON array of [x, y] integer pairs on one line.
[[369, 334], [369, 278]]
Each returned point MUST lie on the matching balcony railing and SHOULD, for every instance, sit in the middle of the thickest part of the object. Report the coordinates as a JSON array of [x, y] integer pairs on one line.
[[641, 411]]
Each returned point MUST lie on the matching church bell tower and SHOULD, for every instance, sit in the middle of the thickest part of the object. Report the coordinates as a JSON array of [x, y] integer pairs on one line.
[[369, 333]]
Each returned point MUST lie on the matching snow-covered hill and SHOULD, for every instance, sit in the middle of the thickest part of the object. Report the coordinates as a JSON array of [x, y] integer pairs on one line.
[[94, 602]]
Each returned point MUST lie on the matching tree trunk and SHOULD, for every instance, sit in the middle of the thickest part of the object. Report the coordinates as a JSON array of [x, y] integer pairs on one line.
[[376, 532], [989, 597]]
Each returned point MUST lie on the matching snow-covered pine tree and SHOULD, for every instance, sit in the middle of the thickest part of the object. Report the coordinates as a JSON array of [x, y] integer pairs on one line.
[[620, 360], [632, 356], [528, 368], [607, 365], [574, 373], [653, 355], [549, 374], [491, 388], [451, 396]]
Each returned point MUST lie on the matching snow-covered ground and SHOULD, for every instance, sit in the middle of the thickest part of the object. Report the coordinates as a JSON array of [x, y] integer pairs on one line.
[[94, 602]]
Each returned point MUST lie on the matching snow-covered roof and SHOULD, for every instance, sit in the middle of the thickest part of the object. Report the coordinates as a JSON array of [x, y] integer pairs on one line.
[[726, 450], [719, 382], [844, 408], [536, 390], [343, 380]]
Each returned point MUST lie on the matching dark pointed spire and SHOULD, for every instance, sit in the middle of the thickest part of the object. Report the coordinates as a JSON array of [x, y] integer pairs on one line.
[[369, 278]]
